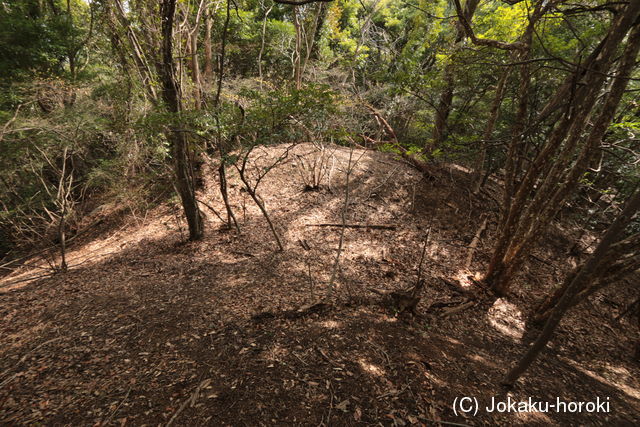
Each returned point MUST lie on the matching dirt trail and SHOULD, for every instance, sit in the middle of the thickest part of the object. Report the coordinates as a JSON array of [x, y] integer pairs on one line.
[[147, 329]]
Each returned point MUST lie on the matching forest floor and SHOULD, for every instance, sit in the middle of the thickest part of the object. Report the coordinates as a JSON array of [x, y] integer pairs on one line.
[[146, 328]]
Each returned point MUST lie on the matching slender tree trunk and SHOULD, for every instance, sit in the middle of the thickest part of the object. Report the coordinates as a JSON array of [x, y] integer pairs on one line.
[[180, 148], [231, 218], [262, 43], [223, 49], [578, 282], [195, 70], [488, 130], [622, 259], [566, 154], [446, 96], [208, 55], [222, 149], [309, 37], [196, 77], [444, 108], [323, 8], [138, 54], [297, 60], [64, 191]]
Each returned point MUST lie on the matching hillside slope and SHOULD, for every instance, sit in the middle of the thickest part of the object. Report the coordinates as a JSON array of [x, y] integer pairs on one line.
[[147, 329]]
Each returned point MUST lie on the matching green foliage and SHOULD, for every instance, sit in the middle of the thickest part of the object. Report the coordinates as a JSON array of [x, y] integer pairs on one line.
[[287, 116], [386, 54], [29, 40]]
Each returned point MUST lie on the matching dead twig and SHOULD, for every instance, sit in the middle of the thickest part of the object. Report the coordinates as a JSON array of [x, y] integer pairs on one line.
[[126, 396], [336, 264], [474, 243], [458, 309], [424, 251], [372, 226], [190, 401]]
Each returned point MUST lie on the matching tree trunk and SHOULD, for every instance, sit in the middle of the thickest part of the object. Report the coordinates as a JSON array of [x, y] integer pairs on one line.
[[195, 70], [138, 54], [223, 49], [262, 43], [488, 130], [297, 59], [579, 281], [564, 157], [446, 96], [622, 259], [179, 144], [208, 56], [323, 8], [195, 61], [222, 172]]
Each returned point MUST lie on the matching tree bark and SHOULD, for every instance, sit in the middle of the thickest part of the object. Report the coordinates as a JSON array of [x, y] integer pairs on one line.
[[297, 60], [622, 259], [195, 61], [179, 143], [208, 55], [582, 277], [561, 161], [223, 49], [494, 113], [262, 43], [446, 96], [320, 20], [138, 54]]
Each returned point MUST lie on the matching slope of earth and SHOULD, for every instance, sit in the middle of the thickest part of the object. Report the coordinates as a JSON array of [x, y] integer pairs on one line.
[[147, 329]]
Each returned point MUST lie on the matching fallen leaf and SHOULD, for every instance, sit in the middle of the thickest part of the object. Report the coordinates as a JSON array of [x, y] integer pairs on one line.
[[343, 405], [357, 414]]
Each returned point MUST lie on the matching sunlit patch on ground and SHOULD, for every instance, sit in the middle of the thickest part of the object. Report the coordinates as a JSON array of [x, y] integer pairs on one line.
[[434, 380], [275, 353], [331, 324], [484, 361], [462, 277], [621, 384], [507, 319], [86, 255], [371, 368]]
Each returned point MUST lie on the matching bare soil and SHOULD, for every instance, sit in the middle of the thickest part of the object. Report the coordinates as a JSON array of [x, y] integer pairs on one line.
[[146, 328]]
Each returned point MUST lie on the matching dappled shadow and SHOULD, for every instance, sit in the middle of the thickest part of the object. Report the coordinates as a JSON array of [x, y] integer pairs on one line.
[[160, 327]]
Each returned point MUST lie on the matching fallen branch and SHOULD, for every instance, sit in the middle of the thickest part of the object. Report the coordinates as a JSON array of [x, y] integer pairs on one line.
[[383, 123], [372, 226], [458, 288], [118, 407], [190, 401], [457, 309], [388, 130], [474, 243], [305, 310]]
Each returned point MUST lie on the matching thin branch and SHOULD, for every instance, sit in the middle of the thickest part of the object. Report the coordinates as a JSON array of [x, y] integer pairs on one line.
[[482, 41], [371, 226]]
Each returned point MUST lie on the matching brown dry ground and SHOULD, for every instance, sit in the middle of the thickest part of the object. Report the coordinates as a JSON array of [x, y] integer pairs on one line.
[[147, 329]]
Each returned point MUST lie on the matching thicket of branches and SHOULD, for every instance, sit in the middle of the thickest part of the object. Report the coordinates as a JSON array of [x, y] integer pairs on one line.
[[117, 103]]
